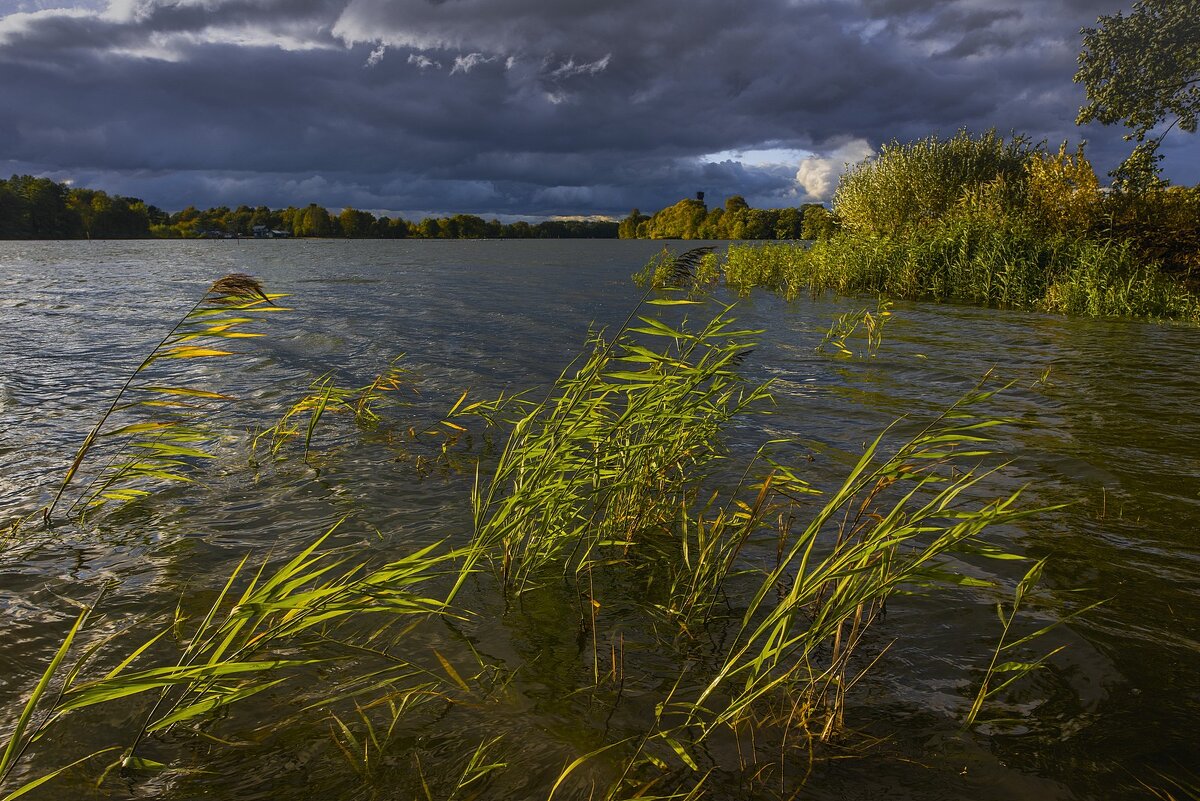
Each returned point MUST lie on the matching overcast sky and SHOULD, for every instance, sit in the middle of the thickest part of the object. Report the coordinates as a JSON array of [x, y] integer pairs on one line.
[[534, 107]]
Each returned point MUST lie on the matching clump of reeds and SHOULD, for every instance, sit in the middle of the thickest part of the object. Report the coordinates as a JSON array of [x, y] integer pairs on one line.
[[615, 453], [837, 339], [908, 184], [693, 269], [995, 222], [617, 479], [325, 395]]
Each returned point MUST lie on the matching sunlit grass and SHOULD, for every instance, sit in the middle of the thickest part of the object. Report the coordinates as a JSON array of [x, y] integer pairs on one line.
[[757, 593], [964, 261]]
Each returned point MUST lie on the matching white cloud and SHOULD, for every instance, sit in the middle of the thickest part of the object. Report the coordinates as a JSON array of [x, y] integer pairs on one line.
[[126, 10], [423, 61], [470, 61], [760, 157], [376, 56], [569, 68], [23, 22], [818, 175]]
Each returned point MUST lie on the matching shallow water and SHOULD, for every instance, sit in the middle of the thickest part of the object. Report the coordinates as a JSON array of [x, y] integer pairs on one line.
[[1112, 431]]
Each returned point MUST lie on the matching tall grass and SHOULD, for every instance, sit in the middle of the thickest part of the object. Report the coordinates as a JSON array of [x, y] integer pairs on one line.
[[616, 452], [966, 260], [995, 222], [250, 640], [154, 428], [751, 594]]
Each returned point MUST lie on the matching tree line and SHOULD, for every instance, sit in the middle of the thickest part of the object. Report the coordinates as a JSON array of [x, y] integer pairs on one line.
[[39, 208], [692, 219]]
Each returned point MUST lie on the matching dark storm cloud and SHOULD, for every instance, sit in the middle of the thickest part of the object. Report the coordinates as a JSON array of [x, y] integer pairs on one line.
[[521, 106]]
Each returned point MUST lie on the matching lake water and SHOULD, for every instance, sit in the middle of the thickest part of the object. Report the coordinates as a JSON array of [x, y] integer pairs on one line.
[[1113, 431]]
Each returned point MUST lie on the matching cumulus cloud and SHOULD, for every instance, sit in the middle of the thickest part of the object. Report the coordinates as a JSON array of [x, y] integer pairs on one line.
[[818, 175], [586, 105]]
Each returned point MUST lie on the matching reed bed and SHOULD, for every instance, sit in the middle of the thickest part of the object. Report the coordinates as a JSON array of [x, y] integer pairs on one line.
[[965, 261], [721, 624]]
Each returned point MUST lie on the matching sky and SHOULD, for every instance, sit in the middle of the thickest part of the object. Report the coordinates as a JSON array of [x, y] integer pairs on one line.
[[524, 107]]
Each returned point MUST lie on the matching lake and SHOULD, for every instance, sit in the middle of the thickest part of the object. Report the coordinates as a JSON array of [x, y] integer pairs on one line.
[[1103, 418]]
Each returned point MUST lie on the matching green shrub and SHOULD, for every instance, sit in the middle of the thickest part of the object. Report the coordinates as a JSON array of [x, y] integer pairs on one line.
[[909, 185], [1162, 224]]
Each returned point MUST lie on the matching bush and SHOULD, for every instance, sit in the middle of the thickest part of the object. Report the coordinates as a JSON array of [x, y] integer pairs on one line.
[[909, 185], [1163, 225]]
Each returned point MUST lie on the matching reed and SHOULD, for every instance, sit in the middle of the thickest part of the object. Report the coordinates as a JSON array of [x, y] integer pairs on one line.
[[968, 260], [153, 429], [837, 339], [610, 456], [246, 643], [761, 592], [324, 395], [695, 269], [911, 183]]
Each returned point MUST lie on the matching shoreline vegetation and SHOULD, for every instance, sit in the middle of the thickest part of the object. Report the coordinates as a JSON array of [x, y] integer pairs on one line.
[[989, 221], [33, 208], [980, 219]]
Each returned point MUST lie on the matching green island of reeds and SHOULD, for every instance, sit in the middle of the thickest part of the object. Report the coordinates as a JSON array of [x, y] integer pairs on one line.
[[715, 611]]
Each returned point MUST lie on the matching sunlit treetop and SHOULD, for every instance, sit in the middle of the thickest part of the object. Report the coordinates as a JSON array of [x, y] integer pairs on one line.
[[1143, 70]]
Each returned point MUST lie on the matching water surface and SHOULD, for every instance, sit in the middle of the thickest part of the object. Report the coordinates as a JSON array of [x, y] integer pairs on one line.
[[1112, 430]]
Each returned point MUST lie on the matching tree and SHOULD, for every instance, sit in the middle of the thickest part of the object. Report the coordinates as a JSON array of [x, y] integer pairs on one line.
[[759, 224], [428, 228], [681, 221], [313, 220], [356, 224], [629, 226], [819, 223], [735, 204], [789, 224], [468, 226], [1143, 70]]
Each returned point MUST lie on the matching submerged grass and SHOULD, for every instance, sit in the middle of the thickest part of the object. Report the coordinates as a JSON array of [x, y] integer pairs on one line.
[[724, 621]]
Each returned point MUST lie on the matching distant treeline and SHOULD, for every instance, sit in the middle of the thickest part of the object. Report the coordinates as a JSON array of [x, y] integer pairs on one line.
[[39, 208]]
